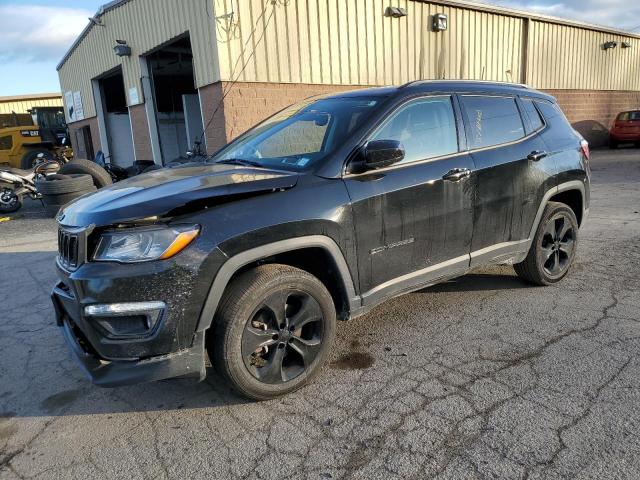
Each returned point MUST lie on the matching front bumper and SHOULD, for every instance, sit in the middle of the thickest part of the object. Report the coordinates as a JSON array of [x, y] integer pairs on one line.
[[104, 373]]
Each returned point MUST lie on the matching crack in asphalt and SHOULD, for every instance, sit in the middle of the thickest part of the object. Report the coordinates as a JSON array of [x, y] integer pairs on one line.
[[496, 380]]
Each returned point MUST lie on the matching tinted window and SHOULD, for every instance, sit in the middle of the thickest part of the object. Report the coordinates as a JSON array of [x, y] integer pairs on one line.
[[426, 128], [629, 116], [300, 135], [6, 143], [535, 120], [492, 120]]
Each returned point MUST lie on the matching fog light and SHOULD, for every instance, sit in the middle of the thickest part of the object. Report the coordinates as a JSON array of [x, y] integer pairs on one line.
[[124, 320]]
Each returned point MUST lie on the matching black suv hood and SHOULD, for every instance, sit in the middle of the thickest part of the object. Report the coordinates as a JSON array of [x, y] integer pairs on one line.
[[161, 192]]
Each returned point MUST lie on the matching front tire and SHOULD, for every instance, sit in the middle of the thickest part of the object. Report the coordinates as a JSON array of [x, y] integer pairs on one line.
[[554, 247], [273, 331], [10, 202]]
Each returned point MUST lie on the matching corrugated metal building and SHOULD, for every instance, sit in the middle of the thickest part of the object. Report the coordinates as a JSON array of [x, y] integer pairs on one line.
[[21, 104], [220, 66]]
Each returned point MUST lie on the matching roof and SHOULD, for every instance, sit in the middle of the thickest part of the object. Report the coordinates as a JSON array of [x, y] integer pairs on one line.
[[483, 7], [34, 96], [444, 86], [92, 22]]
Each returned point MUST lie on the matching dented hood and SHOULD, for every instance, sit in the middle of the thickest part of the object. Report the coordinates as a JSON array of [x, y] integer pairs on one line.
[[168, 191]]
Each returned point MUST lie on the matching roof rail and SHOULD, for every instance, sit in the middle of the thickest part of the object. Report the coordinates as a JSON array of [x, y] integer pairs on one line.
[[488, 82]]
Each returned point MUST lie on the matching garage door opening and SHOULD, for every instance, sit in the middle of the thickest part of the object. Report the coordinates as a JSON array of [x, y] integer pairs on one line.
[[176, 100], [116, 119]]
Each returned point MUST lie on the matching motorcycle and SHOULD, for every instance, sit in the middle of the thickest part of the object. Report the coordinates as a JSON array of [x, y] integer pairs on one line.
[[16, 183]]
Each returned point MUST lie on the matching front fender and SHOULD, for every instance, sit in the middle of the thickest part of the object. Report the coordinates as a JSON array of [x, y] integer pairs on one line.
[[236, 262]]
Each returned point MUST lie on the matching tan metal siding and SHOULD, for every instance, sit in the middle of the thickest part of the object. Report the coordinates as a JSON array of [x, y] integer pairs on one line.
[[351, 42], [145, 25], [22, 106], [565, 57]]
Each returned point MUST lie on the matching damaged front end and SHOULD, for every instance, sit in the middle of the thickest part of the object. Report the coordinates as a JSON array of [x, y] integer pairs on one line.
[[135, 264]]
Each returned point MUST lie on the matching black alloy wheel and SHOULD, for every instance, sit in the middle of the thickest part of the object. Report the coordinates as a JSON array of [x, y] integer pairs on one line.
[[283, 338], [557, 245], [273, 331], [553, 248]]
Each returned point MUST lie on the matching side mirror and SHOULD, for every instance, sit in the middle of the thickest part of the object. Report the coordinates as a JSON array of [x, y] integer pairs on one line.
[[382, 153]]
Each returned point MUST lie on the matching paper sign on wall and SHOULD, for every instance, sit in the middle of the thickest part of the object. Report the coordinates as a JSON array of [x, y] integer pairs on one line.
[[73, 106], [69, 107], [77, 104]]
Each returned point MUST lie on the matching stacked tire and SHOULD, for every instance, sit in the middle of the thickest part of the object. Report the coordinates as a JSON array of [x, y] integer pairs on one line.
[[100, 176], [58, 190]]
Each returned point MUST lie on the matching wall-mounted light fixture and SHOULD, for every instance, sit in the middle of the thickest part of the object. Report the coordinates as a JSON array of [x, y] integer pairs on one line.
[[625, 45], [122, 49], [608, 45], [395, 12], [440, 22]]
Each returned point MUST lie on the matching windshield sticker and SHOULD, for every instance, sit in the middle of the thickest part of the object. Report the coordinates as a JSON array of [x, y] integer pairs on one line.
[[302, 162]]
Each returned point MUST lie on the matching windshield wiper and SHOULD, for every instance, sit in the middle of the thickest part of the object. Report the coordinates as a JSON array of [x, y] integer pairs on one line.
[[240, 161]]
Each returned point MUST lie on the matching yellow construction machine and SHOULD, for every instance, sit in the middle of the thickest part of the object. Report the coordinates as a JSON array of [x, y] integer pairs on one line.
[[24, 138]]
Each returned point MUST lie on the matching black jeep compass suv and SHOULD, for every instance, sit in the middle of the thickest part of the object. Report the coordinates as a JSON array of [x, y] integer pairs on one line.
[[320, 213]]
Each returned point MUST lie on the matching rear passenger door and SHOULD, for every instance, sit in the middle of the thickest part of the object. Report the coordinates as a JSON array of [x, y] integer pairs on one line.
[[511, 169]]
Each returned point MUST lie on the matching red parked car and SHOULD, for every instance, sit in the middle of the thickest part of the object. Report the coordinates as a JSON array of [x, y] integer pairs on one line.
[[626, 129]]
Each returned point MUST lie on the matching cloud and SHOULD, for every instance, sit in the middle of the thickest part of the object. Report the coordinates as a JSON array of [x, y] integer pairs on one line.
[[621, 14], [35, 33]]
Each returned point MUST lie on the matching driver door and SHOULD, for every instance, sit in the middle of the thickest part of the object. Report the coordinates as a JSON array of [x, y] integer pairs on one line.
[[414, 219]]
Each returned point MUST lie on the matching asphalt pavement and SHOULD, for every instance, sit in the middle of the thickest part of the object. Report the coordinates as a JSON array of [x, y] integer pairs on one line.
[[481, 377]]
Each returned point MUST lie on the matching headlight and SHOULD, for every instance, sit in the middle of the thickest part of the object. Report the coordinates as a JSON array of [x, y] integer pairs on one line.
[[143, 245]]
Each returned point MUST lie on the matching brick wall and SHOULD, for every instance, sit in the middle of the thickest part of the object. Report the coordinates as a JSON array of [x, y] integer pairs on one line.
[[92, 123], [247, 104], [140, 130], [592, 112]]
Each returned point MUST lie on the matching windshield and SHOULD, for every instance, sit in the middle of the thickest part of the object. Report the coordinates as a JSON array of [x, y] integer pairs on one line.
[[301, 135]]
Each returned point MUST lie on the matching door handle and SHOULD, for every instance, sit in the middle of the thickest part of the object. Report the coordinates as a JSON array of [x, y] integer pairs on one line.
[[537, 155], [456, 174]]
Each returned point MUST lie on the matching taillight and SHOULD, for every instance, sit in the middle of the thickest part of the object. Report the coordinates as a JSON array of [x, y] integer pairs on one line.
[[584, 146]]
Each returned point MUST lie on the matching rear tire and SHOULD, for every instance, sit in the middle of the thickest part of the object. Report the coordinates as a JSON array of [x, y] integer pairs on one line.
[[101, 177], [273, 331], [613, 144], [554, 247], [30, 158]]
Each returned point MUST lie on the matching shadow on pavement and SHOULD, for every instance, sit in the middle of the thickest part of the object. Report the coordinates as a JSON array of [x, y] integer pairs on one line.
[[40, 378]]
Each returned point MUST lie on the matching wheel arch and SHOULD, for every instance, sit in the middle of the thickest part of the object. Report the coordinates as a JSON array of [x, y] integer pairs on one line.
[[291, 252], [574, 190]]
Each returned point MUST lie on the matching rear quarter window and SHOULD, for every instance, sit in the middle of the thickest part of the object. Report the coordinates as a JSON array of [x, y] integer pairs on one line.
[[560, 131], [492, 120], [535, 120]]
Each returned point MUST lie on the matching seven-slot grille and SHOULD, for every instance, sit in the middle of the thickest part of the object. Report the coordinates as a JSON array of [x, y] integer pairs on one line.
[[68, 249]]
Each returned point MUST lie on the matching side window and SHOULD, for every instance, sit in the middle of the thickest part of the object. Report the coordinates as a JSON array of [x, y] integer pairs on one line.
[[6, 143], [492, 120], [534, 116], [425, 127]]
